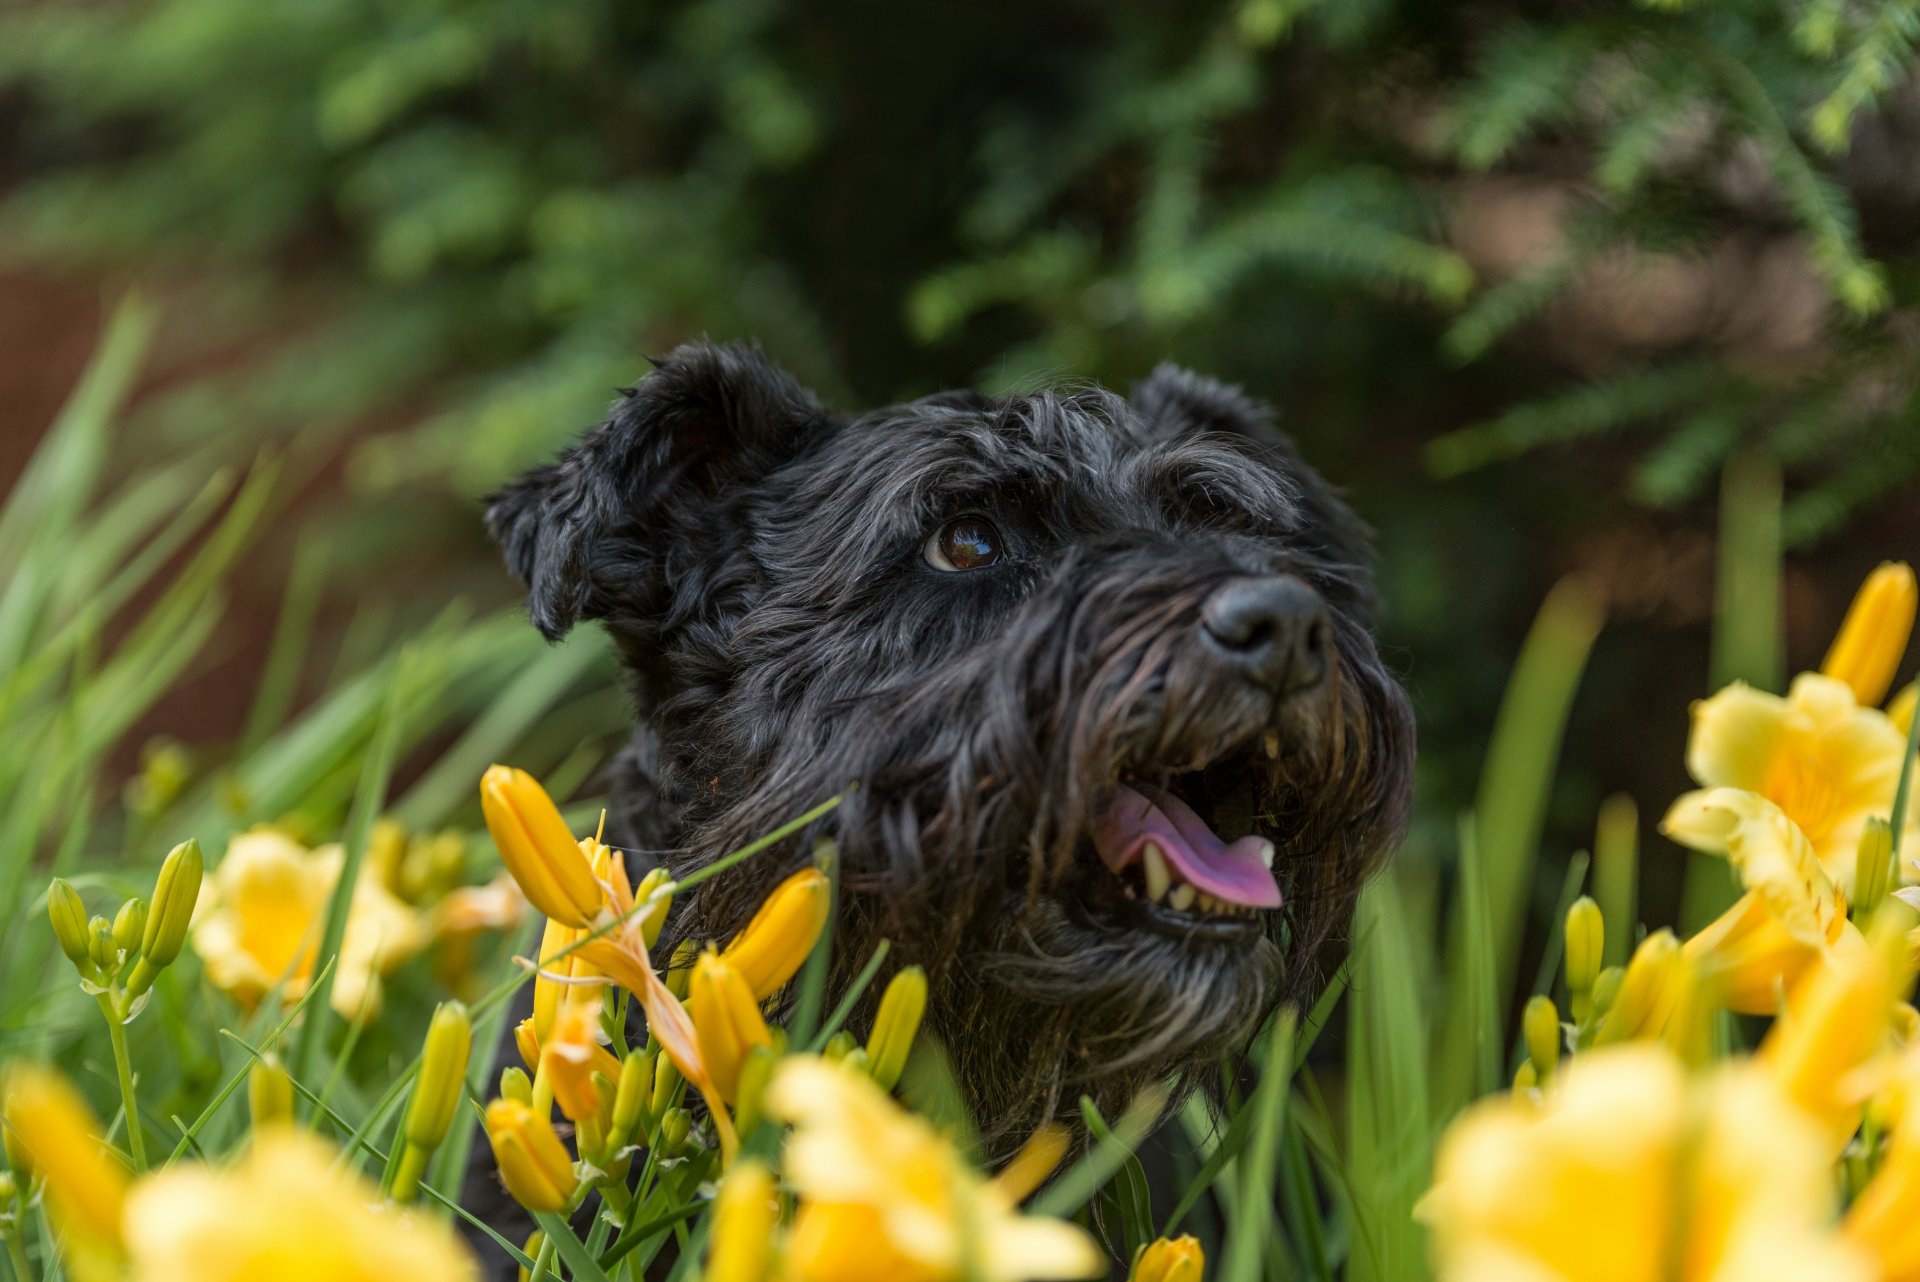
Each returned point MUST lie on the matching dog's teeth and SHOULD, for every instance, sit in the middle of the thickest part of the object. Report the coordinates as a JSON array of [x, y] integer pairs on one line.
[[1158, 878], [1208, 903], [1266, 854], [1182, 897], [1272, 744]]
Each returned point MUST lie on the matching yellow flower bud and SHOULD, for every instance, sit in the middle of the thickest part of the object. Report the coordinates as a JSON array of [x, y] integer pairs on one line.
[[782, 933], [755, 1073], [175, 894], [550, 994], [1872, 868], [839, 1046], [527, 1043], [533, 1162], [269, 1093], [745, 1213], [1169, 1260], [129, 924], [68, 913], [9, 1191], [1900, 710], [1867, 652], [1526, 1078], [653, 919], [537, 847], [1542, 1025], [536, 1243], [100, 947], [443, 1069], [680, 967], [1586, 936], [1647, 991], [666, 1088], [726, 1019], [630, 1096], [86, 1187], [571, 1058], [516, 1085], [894, 1026]]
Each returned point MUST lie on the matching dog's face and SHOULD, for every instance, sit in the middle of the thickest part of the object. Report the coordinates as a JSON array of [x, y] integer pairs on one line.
[[1094, 675]]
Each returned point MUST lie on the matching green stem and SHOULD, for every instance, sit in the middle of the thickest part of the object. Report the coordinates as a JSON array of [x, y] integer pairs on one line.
[[543, 1262], [117, 1034]]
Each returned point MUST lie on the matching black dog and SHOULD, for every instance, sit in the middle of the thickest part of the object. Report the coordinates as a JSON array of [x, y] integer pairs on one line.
[[1091, 666]]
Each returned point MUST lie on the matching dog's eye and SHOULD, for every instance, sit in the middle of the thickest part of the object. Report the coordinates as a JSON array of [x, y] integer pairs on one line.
[[964, 543]]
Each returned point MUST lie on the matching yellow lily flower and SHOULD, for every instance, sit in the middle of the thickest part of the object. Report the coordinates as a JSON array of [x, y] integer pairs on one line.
[[86, 1186], [1882, 1220], [534, 1164], [885, 1196], [261, 914], [1792, 911], [1837, 1020], [1826, 762], [770, 950], [726, 1019], [1626, 1172], [1170, 1260], [537, 847], [1867, 652], [198, 1224], [572, 1056]]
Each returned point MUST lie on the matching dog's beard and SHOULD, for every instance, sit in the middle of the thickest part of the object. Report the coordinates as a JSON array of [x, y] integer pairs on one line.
[[965, 840]]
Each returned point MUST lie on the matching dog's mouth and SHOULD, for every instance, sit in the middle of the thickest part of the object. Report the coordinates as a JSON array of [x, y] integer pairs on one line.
[[1178, 852]]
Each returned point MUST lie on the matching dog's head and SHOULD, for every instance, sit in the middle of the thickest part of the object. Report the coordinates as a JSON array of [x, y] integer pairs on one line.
[[1094, 674]]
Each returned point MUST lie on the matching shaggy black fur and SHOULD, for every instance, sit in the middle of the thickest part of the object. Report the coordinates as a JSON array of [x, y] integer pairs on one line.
[[760, 562]]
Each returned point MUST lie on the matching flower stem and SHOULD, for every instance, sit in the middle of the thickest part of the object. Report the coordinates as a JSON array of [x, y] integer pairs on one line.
[[117, 1034], [543, 1262], [17, 1256]]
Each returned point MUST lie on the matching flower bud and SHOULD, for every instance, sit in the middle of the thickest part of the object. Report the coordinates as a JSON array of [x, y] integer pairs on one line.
[[84, 1185], [652, 920], [269, 1093], [175, 894], [782, 933], [1606, 988], [100, 946], [895, 1024], [1647, 991], [839, 1046], [1586, 937], [666, 1088], [1872, 868], [1867, 652], [68, 913], [755, 1072], [129, 924], [9, 1191], [537, 847], [443, 1069], [726, 1019], [745, 1214], [630, 1097], [1169, 1260], [534, 1164], [527, 1043], [1542, 1026], [1526, 1079], [674, 1129], [516, 1085], [680, 967]]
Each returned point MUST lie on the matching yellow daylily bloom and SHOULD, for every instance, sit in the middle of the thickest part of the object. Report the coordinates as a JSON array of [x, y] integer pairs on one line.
[[770, 950], [1624, 1171], [1883, 1221], [1656, 975], [1177, 1259], [461, 917], [262, 911], [1837, 1020], [537, 847], [534, 1164], [1792, 911], [1826, 762], [727, 1020], [746, 1211], [885, 1196], [47, 1120], [288, 1210], [572, 1056], [1867, 652]]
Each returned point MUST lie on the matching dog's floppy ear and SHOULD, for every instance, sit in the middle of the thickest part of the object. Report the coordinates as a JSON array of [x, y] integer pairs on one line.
[[1173, 401], [707, 414]]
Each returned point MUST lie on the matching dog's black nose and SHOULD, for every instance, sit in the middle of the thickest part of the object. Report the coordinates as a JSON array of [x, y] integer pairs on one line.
[[1275, 630]]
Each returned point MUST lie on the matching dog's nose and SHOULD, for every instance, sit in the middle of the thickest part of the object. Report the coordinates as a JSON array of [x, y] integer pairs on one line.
[[1276, 631]]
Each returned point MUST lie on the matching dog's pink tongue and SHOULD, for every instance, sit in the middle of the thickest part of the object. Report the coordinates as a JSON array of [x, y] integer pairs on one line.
[[1235, 872]]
